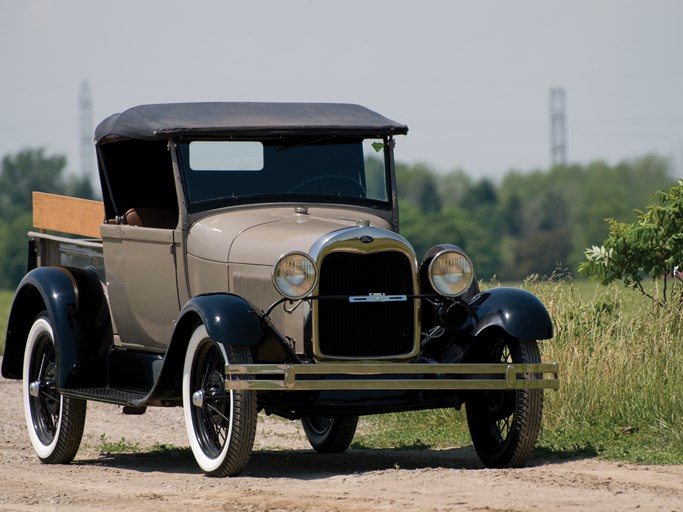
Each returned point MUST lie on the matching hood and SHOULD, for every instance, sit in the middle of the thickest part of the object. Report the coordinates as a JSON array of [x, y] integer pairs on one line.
[[260, 237]]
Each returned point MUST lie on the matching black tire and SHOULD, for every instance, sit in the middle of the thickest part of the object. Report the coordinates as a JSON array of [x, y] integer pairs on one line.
[[504, 425], [55, 422], [221, 425], [330, 435]]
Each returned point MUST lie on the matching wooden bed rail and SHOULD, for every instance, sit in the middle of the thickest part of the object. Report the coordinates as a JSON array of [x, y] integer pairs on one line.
[[52, 212]]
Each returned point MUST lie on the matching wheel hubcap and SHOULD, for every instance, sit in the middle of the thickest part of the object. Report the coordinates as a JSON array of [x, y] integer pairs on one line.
[[34, 388], [198, 398]]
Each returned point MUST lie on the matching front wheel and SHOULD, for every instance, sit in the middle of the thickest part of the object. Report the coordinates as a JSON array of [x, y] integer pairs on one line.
[[504, 425], [330, 435], [55, 423], [221, 424]]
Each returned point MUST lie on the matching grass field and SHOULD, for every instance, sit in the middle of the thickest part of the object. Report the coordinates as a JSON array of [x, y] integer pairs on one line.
[[5, 303], [621, 391], [622, 378]]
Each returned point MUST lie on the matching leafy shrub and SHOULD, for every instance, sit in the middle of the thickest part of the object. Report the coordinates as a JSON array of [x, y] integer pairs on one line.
[[651, 246]]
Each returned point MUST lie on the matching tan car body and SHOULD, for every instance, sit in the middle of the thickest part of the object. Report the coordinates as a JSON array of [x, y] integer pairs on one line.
[[151, 272], [180, 289], [236, 251]]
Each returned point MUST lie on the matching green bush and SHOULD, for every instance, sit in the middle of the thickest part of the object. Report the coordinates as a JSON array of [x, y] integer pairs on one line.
[[651, 246]]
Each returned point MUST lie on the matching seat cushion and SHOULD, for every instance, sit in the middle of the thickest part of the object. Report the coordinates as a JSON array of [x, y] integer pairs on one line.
[[151, 218]]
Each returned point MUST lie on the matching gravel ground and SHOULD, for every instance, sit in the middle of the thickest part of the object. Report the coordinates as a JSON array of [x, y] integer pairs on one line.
[[286, 475]]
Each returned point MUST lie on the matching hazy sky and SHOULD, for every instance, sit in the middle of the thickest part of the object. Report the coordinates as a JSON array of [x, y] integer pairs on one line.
[[471, 79]]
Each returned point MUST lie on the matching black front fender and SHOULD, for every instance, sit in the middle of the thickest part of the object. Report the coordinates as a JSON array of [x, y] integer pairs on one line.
[[518, 312], [228, 318]]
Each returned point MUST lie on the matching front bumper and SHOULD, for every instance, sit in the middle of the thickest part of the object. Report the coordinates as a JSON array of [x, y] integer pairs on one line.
[[391, 376]]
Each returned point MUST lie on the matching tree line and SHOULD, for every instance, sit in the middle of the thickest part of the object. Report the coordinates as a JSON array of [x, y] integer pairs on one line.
[[538, 222], [20, 174], [535, 222]]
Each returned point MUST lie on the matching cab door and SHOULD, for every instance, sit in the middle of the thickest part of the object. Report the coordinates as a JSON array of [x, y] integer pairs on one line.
[[140, 266]]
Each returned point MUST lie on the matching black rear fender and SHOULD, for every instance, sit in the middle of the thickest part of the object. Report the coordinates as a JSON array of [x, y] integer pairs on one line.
[[76, 304]]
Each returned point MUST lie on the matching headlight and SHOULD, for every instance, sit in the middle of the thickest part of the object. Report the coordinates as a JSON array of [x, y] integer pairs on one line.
[[451, 273], [295, 275]]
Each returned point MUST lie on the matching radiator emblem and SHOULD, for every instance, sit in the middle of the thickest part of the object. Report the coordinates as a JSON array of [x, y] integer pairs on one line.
[[378, 297], [366, 239]]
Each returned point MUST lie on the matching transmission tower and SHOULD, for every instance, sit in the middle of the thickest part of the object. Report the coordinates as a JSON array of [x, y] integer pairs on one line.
[[558, 127], [87, 144]]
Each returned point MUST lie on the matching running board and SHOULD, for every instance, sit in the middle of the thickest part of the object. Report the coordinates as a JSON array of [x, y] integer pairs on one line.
[[107, 395]]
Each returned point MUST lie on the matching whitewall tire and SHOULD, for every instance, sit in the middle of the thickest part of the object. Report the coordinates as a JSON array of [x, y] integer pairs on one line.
[[221, 425], [55, 423]]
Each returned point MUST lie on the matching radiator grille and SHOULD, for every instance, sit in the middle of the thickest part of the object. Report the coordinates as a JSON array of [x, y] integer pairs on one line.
[[365, 330], [258, 289]]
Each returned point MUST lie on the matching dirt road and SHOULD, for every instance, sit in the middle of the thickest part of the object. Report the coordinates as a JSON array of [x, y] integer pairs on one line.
[[286, 475]]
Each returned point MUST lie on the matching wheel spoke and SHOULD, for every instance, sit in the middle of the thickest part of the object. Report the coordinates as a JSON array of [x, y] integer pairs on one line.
[[503, 427], [50, 395], [41, 369], [212, 432], [208, 365], [218, 413], [47, 404], [48, 419], [216, 433], [212, 419]]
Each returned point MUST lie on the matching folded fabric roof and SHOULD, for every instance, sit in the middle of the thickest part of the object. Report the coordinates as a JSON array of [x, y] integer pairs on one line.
[[220, 119]]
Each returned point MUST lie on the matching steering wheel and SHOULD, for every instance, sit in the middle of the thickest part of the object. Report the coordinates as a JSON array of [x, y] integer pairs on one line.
[[346, 180]]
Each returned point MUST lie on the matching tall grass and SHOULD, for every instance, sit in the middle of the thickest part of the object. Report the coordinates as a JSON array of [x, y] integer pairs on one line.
[[622, 373], [621, 390], [5, 303]]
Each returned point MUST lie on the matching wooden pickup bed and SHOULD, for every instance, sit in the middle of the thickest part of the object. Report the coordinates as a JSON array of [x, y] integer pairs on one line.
[[66, 214]]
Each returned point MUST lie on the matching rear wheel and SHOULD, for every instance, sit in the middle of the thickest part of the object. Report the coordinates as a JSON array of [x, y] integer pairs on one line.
[[55, 423], [504, 425], [330, 435], [221, 424]]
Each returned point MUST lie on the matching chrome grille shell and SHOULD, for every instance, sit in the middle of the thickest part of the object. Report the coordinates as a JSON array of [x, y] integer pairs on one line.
[[361, 341]]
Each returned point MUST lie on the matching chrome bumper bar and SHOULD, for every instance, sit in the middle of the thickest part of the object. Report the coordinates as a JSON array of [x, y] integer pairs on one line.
[[336, 376]]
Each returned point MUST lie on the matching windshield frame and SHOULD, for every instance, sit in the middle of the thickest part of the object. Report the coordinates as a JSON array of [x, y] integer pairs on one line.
[[388, 204]]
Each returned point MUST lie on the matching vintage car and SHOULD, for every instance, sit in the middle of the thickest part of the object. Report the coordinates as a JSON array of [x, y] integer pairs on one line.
[[246, 257]]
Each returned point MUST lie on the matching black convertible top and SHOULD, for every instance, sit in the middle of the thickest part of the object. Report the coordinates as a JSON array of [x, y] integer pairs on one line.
[[171, 120]]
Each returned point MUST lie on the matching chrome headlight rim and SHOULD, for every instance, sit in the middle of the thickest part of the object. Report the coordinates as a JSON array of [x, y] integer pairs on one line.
[[313, 283], [461, 289]]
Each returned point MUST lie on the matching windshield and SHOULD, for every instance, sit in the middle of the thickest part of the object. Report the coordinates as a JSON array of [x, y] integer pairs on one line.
[[350, 171]]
